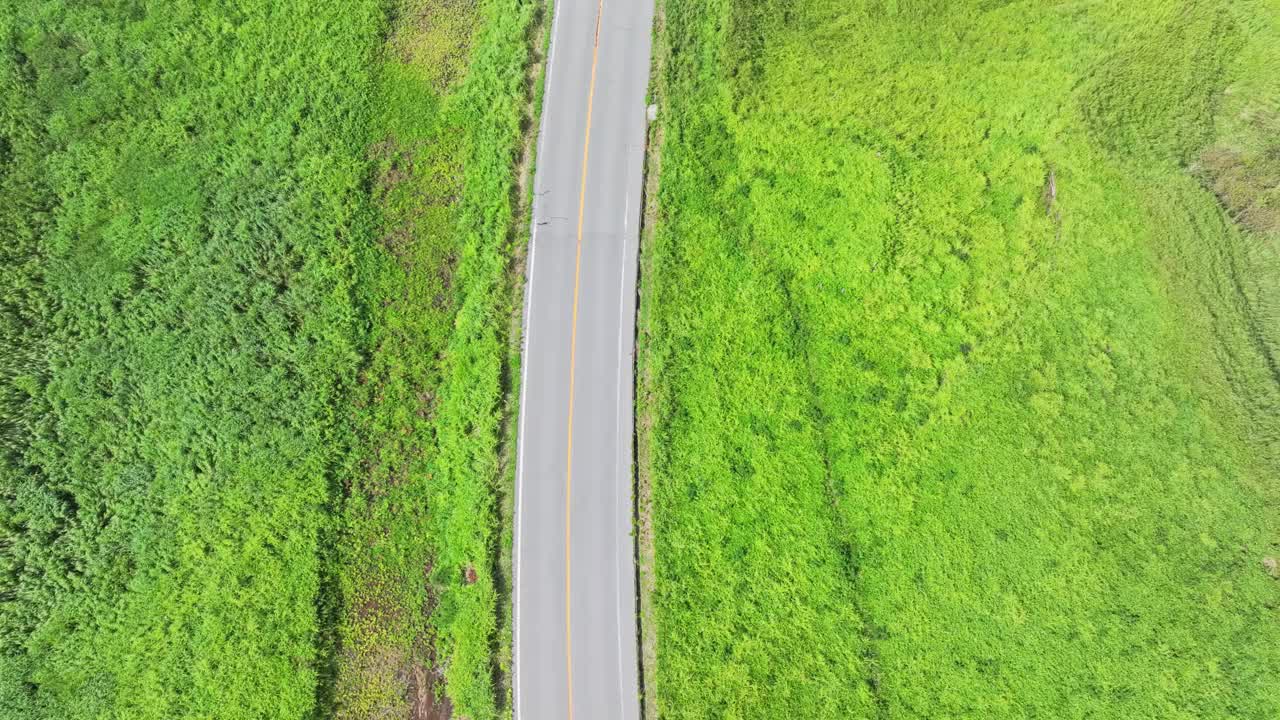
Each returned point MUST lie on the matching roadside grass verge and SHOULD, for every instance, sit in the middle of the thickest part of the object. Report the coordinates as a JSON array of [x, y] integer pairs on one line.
[[960, 331], [423, 525], [387, 662]]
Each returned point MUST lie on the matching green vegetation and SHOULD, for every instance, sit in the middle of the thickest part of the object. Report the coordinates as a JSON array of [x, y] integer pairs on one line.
[[960, 327], [422, 526], [253, 327], [163, 523]]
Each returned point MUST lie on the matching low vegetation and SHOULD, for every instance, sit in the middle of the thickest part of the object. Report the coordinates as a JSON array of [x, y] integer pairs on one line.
[[959, 328], [422, 526], [253, 323]]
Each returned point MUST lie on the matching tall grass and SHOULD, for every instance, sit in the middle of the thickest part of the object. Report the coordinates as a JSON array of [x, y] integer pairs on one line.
[[251, 336], [163, 523], [962, 387]]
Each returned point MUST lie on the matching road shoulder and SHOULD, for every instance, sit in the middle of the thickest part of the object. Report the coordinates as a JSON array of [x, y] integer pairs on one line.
[[645, 399]]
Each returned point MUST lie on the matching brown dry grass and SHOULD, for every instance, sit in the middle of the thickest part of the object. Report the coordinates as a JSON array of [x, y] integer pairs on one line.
[[1243, 171]]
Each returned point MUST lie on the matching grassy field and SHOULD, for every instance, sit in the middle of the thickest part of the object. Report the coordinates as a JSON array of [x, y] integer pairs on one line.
[[959, 344], [253, 328]]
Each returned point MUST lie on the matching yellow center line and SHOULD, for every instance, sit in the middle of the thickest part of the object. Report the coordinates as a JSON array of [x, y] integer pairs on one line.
[[573, 351]]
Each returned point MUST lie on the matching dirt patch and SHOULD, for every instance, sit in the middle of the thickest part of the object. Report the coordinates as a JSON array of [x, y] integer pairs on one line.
[[387, 675], [425, 681], [534, 75], [1049, 198], [426, 698], [1247, 181], [393, 174], [1050, 191], [444, 273], [1243, 188], [410, 196], [426, 405], [395, 166]]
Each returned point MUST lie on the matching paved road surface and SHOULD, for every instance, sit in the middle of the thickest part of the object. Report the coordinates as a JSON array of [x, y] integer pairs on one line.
[[575, 608]]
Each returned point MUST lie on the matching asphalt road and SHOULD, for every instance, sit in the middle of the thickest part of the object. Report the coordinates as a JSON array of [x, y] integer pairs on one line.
[[575, 606]]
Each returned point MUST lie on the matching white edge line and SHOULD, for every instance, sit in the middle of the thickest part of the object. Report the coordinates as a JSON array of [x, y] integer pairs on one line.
[[524, 365], [617, 461]]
